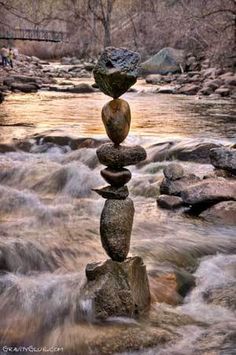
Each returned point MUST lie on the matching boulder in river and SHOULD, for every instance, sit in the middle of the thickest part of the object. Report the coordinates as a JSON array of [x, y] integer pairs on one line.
[[224, 158], [209, 191], [222, 212], [116, 118], [167, 60], [116, 226], [169, 187], [118, 288], [116, 71], [118, 157], [169, 202], [1, 97], [26, 88], [116, 178], [173, 171]]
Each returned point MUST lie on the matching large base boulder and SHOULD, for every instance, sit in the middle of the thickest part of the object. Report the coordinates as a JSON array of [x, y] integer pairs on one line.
[[168, 60], [224, 158], [117, 289]]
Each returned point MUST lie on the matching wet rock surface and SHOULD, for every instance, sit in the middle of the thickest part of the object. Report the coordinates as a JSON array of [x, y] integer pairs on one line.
[[118, 288], [209, 191], [116, 226], [173, 171], [169, 187], [116, 178], [116, 118], [222, 212], [118, 157], [224, 158], [116, 71], [169, 202]]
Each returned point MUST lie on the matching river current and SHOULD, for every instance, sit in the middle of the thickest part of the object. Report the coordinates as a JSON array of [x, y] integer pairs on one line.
[[49, 227]]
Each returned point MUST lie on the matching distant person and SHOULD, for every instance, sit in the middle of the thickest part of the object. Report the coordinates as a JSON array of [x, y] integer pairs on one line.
[[10, 57], [4, 55]]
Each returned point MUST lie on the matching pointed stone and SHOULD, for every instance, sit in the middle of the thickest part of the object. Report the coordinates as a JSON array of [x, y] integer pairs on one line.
[[116, 178], [116, 118], [110, 192]]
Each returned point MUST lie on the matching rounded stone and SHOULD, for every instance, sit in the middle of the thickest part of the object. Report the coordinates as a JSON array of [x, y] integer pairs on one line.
[[116, 226], [173, 171], [116, 178], [118, 157], [116, 118]]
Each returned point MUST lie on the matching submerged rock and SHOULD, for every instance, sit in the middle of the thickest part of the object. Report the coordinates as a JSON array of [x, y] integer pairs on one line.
[[224, 296], [116, 178], [169, 202], [118, 157], [116, 71], [118, 289], [173, 171], [223, 212], [111, 192], [224, 158], [209, 191], [116, 118], [116, 226]]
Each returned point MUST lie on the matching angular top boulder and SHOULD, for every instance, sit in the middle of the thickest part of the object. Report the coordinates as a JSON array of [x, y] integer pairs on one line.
[[168, 60], [116, 71]]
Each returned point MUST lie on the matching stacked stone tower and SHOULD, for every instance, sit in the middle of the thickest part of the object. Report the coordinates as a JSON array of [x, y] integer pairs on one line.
[[119, 286]]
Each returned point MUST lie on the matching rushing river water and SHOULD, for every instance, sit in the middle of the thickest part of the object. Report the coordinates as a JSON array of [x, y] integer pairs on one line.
[[50, 228]]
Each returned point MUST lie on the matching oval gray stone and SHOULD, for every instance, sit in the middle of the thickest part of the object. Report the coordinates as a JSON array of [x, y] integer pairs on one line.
[[116, 226], [173, 171], [117, 157]]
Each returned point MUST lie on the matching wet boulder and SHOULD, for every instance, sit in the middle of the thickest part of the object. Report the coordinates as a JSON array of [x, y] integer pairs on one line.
[[117, 288], [209, 191], [173, 171], [169, 202], [167, 60], [118, 157], [116, 71], [1, 97], [222, 212], [26, 88], [169, 187], [224, 158]]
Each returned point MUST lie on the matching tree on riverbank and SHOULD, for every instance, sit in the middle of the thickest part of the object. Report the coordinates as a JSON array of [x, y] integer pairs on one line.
[[205, 27]]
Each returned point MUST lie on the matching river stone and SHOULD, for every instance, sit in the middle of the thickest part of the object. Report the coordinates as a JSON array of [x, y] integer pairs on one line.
[[210, 191], [223, 213], [116, 226], [116, 71], [118, 289], [116, 118], [118, 157], [116, 178], [169, 187], [112, 192], [173, 171], [224, 158], [169, 202], [1, 97]]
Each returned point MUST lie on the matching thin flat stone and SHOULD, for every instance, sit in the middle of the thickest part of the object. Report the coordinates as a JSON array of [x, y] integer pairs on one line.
[[116, 71], [110, 192], [118, 157], [116, 178]]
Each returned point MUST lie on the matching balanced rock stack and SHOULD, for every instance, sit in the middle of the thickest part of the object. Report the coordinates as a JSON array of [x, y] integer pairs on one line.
[[115, 72]]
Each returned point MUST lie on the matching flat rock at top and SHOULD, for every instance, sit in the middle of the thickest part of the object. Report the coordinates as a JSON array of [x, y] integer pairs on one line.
[[118, 288], [209, 191], [224, 158], [116, 226], [117, 157], [116, 178], [110, 192], [116, 117], [116, 71]]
